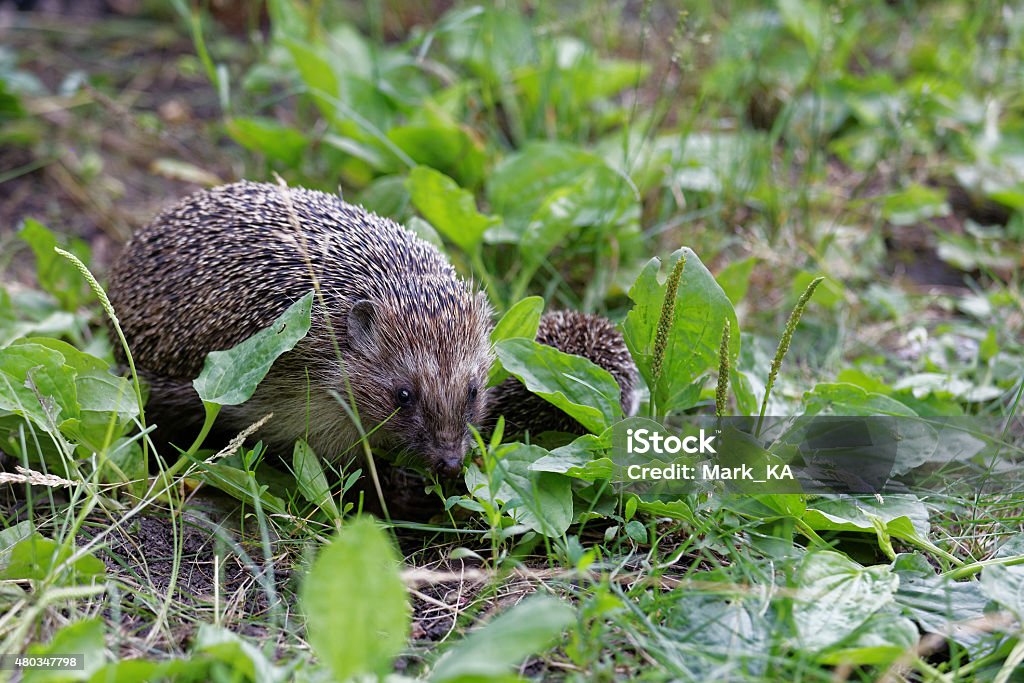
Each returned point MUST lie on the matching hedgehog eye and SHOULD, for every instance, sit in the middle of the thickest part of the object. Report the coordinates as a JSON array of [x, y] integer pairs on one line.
[[403, 397], [472, 393]]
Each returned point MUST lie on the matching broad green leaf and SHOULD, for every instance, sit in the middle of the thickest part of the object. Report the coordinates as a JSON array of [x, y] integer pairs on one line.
[[36, 384], [268, 137], [785, 504], [768, 507], [521, 182], [537, 499], [445, 147], [521, 320], [30, 312], [125, 454], [636, 531], [850, 399], [969, 253], [10, 537], [491, 651], [938, 603], [864, 380], [357, 612], [361, 156], [37, 558], [309, 475], [599, 198], [10, 104], [106, 394], [989, 347], [198, 667], [713, 162], [879, 641], [73, 357], [425, 231], [701, 309], [545, 498], [338, 79], [584, 458], [230, 377], [923, 384], [746, 388], [388, 196], [572, 76], [493, 43], [351, 52], [583, 390], [106, 407], [903, 515], [289, 19], [243, 658], [935, 441], [676, 509], [448, 207], [97, 390], [829, 293], [1005, 583], [836, 596], [318, 75], [606, 77], [729, 635], [84, 638], [1012, 197], [55, 274]]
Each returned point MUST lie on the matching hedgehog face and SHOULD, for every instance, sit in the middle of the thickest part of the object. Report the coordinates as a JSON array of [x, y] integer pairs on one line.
[[430, 416], [423, 377]]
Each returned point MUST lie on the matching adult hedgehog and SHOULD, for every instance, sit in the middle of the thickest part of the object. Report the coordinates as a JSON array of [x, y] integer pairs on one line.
[[398, 327]]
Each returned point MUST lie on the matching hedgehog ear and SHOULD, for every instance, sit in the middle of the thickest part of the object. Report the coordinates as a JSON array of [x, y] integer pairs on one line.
[[361, 324]]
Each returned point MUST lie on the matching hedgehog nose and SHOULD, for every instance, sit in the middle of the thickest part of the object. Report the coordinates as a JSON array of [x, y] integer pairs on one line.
[[449, 460]]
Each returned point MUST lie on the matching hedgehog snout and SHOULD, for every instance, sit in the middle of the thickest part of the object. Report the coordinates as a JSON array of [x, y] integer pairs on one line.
[[447, 456]]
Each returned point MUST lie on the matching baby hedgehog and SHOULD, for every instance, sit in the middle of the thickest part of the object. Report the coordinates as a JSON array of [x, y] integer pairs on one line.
[[591, 336], [410, 338]]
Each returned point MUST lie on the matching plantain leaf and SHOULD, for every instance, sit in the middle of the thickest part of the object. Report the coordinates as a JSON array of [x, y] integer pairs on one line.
[[521, 320], [581, 389], [492, 651], [230, 377], [448, 207], [357, 612], [701, 309]]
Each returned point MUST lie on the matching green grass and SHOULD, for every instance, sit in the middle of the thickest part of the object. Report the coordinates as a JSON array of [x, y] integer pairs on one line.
[[681, 173]]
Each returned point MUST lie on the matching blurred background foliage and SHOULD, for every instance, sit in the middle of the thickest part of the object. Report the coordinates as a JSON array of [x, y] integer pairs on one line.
[[562, 145]]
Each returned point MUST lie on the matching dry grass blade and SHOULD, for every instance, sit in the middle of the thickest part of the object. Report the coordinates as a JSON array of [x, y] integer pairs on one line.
[[33, 478]]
